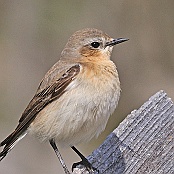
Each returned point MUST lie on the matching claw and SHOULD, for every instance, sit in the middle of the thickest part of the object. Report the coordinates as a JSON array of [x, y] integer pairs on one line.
[[87, 165]]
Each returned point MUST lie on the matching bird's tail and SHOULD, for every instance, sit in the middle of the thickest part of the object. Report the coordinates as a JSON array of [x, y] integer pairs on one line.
[[10, 142]]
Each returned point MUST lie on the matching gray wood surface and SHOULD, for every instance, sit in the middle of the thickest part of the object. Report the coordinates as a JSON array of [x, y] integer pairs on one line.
[[143, 143]]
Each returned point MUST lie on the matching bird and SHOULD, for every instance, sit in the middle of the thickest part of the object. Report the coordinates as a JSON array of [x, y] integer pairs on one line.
[[75, 98]]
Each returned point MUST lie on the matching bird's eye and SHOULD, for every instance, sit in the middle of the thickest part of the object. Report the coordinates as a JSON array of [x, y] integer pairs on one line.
[[95, 44]]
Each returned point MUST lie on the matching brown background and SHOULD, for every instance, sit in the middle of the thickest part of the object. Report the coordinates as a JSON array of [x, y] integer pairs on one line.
[[32, 35]]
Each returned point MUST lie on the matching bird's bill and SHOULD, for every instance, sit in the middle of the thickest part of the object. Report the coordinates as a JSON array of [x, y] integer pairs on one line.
[[116, 41]]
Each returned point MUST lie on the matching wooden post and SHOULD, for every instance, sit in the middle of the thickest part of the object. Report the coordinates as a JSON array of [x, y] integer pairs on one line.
[[143, 143]]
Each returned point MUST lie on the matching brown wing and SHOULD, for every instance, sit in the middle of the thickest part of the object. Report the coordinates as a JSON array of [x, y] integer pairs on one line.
[[39, 101]]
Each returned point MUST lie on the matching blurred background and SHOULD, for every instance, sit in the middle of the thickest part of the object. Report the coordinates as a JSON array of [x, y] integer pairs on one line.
[[32, 35]]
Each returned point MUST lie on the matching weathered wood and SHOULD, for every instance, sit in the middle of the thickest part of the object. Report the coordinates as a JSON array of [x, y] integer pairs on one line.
[[142, 143]]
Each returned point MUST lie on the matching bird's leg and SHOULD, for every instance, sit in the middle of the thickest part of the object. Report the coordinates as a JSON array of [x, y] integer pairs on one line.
[[84, 161], [53, 144]]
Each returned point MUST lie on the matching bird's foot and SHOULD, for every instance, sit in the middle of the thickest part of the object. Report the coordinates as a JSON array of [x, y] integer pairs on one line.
[[87, 165]]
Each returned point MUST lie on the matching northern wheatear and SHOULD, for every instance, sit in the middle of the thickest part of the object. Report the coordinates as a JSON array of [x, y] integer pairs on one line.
[[76, 96]]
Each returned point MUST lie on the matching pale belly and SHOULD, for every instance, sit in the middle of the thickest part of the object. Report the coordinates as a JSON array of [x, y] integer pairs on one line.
[[77, 116]]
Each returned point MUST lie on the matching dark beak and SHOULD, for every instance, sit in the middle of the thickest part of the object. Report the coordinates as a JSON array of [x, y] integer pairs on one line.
[[116, 41]]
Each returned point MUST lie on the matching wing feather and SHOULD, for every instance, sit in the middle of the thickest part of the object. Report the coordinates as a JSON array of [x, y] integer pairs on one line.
[[52, 91]]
